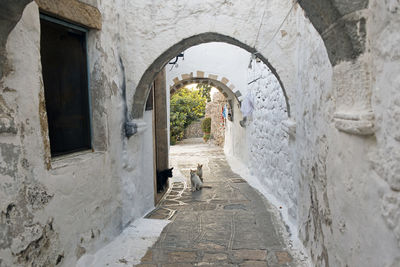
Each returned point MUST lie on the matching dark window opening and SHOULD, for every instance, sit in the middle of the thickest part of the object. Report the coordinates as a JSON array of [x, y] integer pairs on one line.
[[64, 68]]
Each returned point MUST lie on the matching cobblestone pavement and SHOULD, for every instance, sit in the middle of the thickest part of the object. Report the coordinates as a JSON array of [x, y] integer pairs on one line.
[[229, 224]]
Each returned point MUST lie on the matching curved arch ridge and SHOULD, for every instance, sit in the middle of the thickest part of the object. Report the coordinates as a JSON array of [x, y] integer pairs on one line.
[[223, 85], [149, 75]]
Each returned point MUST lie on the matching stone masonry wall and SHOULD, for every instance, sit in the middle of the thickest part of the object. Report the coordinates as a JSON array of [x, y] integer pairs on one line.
[[213, 110], [268, 144], [193, 130]]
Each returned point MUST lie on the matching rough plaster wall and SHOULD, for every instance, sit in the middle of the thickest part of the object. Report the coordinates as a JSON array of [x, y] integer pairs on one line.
[[339, 195], [268, 144], [384, 40], [23, 234], [84, 200]]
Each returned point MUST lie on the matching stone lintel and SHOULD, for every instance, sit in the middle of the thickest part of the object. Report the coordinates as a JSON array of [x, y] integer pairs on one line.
[[73, 11]]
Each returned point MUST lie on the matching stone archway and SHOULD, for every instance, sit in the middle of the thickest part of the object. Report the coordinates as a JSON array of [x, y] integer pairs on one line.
[[341, 24], [223, 85], [227, 97], [143, 88]]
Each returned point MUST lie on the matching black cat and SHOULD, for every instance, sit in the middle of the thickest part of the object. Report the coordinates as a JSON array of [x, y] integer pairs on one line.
[[162, 177]]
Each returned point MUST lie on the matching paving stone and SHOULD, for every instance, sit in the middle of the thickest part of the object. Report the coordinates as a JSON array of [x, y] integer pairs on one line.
[[283, 257], [214, 257], [146, 265], [248, 254], [148, 257], [210, 247], [177, 265], [254, 264], [182, 256], [227, 225], [211, 264]]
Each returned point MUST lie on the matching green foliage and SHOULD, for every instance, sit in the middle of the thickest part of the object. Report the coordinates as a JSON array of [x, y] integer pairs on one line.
[[206, 125], [186, 106], [206, 137], [205, 90], [173, 140]]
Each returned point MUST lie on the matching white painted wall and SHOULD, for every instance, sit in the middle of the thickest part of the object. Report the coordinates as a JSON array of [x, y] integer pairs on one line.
[[93, 195]]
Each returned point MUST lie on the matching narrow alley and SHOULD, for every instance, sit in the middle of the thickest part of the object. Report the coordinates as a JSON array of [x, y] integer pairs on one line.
[[298, 101], [229, 224]]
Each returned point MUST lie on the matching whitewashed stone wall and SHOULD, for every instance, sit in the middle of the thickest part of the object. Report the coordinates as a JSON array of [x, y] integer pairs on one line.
[[83, 200], [268, 144], [385, 157]]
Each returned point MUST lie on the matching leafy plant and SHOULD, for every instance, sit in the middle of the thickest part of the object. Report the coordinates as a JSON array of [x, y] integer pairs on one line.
[[206, 125], [186, 106], [206, 137], [205, 90]]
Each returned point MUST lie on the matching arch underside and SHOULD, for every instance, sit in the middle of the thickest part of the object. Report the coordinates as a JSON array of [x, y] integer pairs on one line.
[[341, 25]]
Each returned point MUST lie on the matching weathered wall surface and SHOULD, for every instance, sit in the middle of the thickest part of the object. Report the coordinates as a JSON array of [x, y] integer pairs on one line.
[[384, 40], [53, 216], [340, 196]]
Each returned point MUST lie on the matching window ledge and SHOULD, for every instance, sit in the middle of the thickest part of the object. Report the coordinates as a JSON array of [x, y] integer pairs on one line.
[[74, 159]]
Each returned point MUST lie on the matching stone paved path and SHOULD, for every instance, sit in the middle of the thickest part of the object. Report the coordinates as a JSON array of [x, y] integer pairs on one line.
[[229, 224]]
